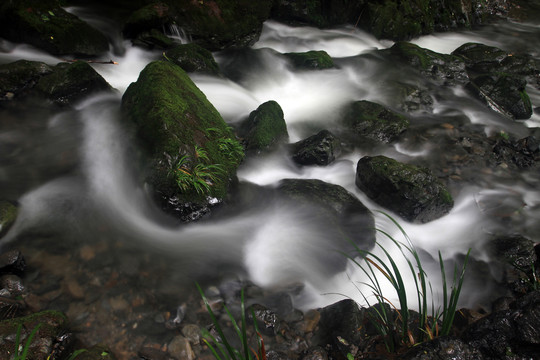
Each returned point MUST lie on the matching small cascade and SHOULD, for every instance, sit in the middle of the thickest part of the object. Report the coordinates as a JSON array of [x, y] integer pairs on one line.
[[176, 32]]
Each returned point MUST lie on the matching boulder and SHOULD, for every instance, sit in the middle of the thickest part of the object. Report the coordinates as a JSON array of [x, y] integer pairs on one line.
[[374, 121], [504, 93], [311, 60], [320, 13], [412, 192], [153, 39], [265, 128], [193, 154], [193, 58], [18, 77], [44, 24], [319, 149], [150, 17], [8, 214], [444, 68], [71, 82], [339, 210]]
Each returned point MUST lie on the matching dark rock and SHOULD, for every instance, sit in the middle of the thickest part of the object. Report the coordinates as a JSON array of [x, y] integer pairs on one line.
[[186, 138], [515, 250], [320, 13], [374, 121], [413, 98], [316, 353], [412, 192], [267, 320], [71, 82], [503, 93], [276, 355], [320, 149], [96, 352], [46, 25], [12, 262], [265, 128], [150, 17], [18, 77], [311, 60], [153, 39], [10, 308], [443, 348], [8, 215], [193, 58], [336, 208], [11, 285], [513, 332], [448, 69]]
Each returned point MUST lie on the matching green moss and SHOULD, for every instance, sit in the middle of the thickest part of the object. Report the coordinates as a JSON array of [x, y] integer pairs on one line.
[[318, 60], [8, 214], [192, 58], [173, 118], [265, 127]]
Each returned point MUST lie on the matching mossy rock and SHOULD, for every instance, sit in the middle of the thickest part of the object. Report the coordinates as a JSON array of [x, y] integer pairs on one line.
[[448, 69], [193, 58], [175, 120], [47, 26], [20, 76], [8, 215], [50, 324], [265, 128], [504, 93], [412, 192], [311, 60], [149, 17], [320, 149], [153, 39], [374, 121], [71, 82]]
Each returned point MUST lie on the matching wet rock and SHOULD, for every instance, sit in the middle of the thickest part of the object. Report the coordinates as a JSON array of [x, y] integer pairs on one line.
[[520, 154], [192, 332], [514, 249], [443, 348], [12, 284], [193, 58], [193, 153], [265, 128], [504, 93], [317, 13], [180, 348], [276, 355], [46, 25], [316, 353], [150, 17], [412, 192], [268, 321], [96, 352], [319, 149], [513, 332], [374, 121], [153, 39], [71, 82], [18, 77], [10, 308], [8, 215], [311, 60], [447, 69], [413, 98]]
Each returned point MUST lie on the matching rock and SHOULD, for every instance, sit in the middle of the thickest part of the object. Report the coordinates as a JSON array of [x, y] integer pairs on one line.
[[96, 352], [48, 323], [265, 128], [150, 17], [443, 348], [513, 332], [20, 76], [153, 39], [12, 284], [513, 249], [180, 348], [71, 82], [412, 98], [316, 353], [193, 153], [412, 192], [311, 60], [8, 215], [374, 121], [193, 58], [268, 321], [334, 204], [320, 13], [447, 69], [46, 25], [192, 332], [503, 93], [12, 262], [319, 149]]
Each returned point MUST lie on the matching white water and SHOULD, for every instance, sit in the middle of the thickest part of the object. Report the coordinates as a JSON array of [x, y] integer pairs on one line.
[[275, 245]]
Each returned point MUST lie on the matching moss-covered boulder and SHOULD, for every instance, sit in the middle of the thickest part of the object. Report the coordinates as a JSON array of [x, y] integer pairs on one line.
[[343, 218], [152, 16], [320, 13], [265, 128], [370, 120], [47, 326], [47, 26], [193, 155], [8, 214], [504, 93], [319, 149], [71, 82], [412, 192], [193, 58], [18, 77], [311, 60], [448, 69]]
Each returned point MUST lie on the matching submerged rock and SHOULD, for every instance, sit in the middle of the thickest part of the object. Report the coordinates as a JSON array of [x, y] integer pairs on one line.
[[319, 149], [374, 121], [412, 192], [265, 128], [46, 25], [311, 60], [193, 58], [193, 155]]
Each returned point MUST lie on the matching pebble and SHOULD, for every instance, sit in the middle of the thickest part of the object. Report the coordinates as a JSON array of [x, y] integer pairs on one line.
[[180, 348]]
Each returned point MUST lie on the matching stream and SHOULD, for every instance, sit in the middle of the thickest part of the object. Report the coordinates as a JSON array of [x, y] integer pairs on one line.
[[89, 229]]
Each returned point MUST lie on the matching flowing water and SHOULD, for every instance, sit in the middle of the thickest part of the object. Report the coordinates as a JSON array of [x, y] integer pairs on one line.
[[72, 172]]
